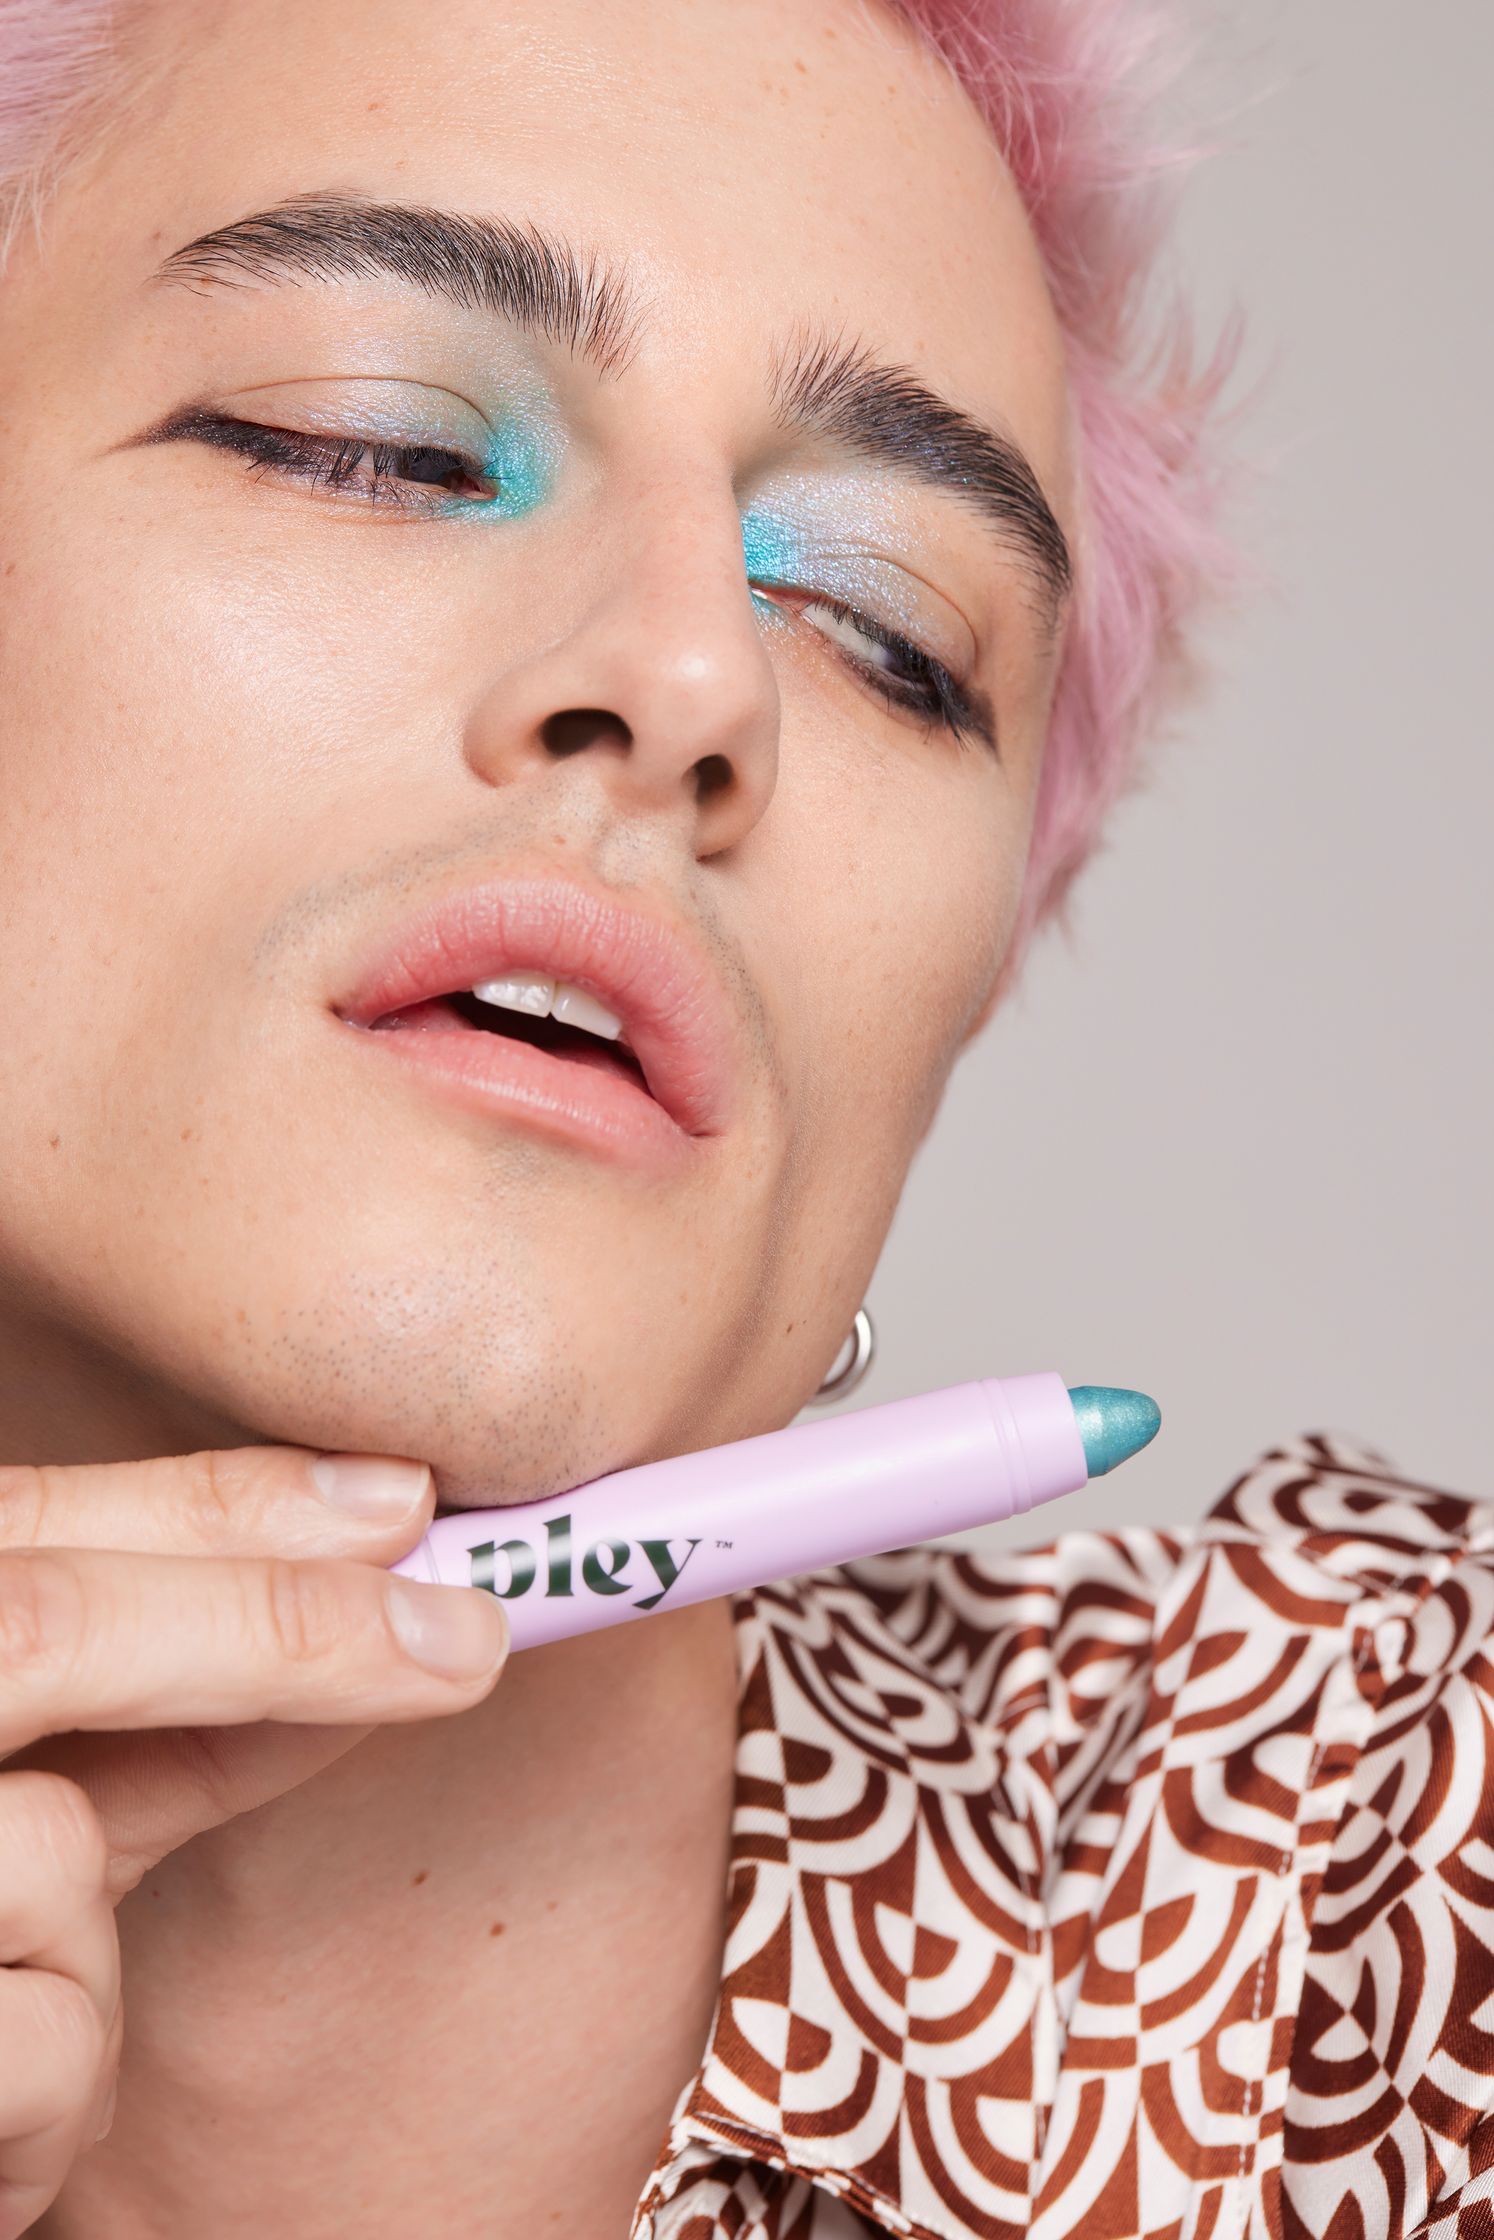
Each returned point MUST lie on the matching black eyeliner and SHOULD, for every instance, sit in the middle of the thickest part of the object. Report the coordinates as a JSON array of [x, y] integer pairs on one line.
[[960, 708]]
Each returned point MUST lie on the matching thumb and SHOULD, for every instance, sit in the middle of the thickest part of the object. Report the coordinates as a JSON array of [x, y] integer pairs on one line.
[[154, 1791]]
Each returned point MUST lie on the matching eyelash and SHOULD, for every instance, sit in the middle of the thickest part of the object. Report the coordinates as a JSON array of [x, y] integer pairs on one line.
[[331, 462], [928, 691]]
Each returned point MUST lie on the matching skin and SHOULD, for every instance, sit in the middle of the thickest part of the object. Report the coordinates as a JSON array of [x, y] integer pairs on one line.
[[248, 727]]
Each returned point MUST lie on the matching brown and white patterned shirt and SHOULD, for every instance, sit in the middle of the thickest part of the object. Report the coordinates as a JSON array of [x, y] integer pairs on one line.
[[1137, 1885]]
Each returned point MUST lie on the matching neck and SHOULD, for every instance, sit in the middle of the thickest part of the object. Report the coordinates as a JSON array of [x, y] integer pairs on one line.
[[479, 1946]]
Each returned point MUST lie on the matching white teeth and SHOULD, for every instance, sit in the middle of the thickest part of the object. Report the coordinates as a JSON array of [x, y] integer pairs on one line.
[[521, 991], [533, 991], [577, 1009]]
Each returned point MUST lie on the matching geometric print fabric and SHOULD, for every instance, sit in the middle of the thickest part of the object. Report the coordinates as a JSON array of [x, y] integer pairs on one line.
[[1135, 1887]]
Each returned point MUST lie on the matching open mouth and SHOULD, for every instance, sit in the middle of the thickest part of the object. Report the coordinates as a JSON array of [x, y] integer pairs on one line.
[[545, 997], [464, 1013]]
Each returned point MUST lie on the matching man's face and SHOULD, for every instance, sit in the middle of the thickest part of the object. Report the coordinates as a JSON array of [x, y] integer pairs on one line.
[[603, 619]]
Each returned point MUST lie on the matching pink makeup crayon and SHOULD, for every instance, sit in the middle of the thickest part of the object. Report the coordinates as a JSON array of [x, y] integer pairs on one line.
[[693, 1526]]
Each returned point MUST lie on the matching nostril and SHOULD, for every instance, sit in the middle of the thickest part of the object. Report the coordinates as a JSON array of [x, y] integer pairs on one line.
[[570, 729], [713, 773]]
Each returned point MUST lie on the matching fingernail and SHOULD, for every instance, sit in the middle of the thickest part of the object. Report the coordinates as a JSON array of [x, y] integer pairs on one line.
[[371, 1486], [459, 1632]]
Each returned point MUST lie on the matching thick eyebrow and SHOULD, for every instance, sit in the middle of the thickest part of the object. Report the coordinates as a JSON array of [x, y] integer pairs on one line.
[[885, 413], [525, 274], [516, 272]]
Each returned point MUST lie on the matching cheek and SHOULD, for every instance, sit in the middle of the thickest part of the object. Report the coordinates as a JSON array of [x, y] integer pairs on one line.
[[927, 949], [180, 726], [906, 883], [82, 826], [895, 911], [137, 821]]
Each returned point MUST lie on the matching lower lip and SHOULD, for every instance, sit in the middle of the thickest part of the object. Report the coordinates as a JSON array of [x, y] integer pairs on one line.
[[580, 1100]]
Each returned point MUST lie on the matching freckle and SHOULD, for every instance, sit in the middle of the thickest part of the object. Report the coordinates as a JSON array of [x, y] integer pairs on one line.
[[187, 1134], [801, 67], [497, 1929], [423, 1876], [10, 567], [551, 1904]]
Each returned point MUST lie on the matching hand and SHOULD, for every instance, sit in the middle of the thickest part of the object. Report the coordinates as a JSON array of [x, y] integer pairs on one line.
[[180, 1641]]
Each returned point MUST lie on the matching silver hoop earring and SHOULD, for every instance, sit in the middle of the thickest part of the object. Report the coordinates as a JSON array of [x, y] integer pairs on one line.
[[840, 1383]]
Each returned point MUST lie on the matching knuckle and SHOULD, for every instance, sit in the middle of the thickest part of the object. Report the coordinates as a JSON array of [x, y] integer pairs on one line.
[[62, 1826], [238, 1498], [308, 1612], [42, 1614], [213, 1506], [213, 1490], [27, 1491]]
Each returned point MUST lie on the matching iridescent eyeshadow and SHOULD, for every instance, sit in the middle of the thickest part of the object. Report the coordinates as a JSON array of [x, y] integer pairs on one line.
[[522, 460], [832, 543], [772, 548]]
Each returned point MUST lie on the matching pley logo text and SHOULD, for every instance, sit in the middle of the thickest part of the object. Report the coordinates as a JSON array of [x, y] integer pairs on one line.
[[508, 1568]]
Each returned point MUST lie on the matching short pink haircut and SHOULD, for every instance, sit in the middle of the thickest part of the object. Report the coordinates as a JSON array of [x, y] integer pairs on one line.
[[1069, 89]]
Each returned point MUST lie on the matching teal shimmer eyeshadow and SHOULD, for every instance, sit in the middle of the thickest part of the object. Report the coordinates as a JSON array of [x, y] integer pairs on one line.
[[779, 550], [772, 548], [521, 461], [523, 465]]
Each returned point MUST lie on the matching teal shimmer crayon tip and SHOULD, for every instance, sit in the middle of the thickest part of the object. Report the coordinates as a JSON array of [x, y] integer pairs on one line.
[[1113, 1424]]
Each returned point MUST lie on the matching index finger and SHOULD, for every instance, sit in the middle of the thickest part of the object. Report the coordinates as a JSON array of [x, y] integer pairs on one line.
[[258, 1500]]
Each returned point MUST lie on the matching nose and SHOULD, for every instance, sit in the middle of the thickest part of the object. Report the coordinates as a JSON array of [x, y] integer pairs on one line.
[[662, 679]]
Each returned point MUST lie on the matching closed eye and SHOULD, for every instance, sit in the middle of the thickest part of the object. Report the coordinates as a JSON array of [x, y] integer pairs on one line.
[[416, 476], [899, 671]]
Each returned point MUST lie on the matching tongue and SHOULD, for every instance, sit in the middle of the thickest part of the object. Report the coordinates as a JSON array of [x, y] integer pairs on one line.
[[441, 1015]]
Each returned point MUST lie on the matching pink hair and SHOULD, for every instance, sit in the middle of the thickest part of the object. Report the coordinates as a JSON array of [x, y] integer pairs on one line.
[[52, 60], [1069, 89]]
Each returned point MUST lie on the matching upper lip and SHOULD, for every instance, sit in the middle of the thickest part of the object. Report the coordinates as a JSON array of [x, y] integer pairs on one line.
[[673, 1009]]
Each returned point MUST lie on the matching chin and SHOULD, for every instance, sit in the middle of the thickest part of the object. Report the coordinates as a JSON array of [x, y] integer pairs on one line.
[[515, 1370], [504, 1409]]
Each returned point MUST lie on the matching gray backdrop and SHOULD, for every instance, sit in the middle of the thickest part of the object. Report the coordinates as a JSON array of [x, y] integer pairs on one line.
[[1231, 1142]]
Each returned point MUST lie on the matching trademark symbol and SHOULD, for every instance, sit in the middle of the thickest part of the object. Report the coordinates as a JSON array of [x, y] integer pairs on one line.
[[723, 1543]]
